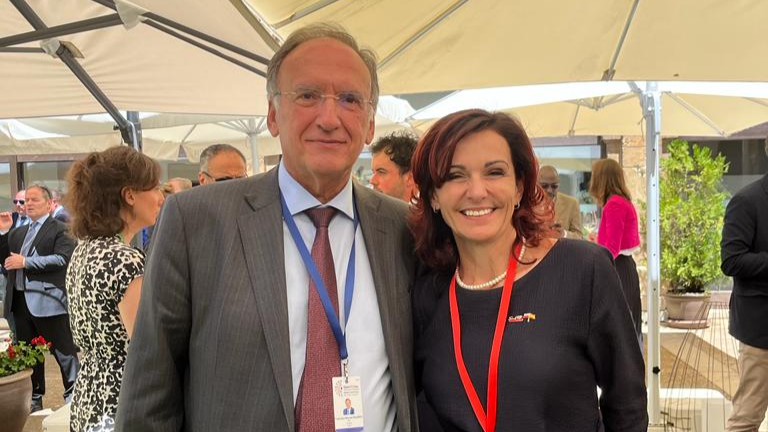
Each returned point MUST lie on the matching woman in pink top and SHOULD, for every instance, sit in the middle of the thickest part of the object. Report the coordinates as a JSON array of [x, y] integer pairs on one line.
[[618, 228]]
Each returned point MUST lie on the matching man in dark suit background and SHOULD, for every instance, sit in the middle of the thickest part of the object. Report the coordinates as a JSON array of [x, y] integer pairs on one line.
[[230, 334], [744, 253], [58, 211], [20, 215], [36, 258]]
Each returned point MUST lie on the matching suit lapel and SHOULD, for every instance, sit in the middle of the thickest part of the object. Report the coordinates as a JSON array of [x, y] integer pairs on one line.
[[16, 238], [377, 232], [40, 234], [262, 235], [380, 233]]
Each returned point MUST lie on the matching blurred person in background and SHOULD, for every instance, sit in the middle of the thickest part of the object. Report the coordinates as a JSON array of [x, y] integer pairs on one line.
[[391, 164], [58, 211], [112, 195], [535, 323], [567, 214], [20, 215], [179, 184], [618, 230], [221, 162]]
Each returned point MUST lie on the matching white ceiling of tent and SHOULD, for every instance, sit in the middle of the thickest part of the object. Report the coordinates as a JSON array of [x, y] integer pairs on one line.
[[435, 45], [141, 69]]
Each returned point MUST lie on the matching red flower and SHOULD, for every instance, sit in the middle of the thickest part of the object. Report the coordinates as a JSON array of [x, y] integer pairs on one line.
[[39, 341], [11, 352]]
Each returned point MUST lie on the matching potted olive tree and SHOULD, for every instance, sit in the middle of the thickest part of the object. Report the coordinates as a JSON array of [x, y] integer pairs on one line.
[[692, 206]]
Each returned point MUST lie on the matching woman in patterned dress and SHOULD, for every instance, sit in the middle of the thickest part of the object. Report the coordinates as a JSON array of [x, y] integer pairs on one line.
[[112, 195]]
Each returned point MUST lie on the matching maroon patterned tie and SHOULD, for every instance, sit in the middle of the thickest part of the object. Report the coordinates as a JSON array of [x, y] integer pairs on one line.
[[314, 405]]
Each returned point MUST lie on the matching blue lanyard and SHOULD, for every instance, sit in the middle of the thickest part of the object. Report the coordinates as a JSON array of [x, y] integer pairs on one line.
[[349, 288]]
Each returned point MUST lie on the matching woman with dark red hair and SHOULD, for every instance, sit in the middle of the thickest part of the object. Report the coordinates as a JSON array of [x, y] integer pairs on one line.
[[514, 331]]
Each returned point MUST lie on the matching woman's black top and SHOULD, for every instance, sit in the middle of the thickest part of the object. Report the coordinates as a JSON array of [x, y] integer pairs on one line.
[[550, 367]]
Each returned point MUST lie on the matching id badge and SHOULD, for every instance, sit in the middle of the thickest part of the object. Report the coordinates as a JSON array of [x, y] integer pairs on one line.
[[348, 404]]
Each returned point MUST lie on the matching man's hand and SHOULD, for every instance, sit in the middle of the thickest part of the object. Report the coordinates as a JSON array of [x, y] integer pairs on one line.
[[14, 262], [6, 221]]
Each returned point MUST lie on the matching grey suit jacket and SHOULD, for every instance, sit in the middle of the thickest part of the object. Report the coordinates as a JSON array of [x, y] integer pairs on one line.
[[46, 267], [210, 349]]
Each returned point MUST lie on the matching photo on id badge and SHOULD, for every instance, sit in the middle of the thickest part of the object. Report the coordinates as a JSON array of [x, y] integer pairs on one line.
[[347, 404]]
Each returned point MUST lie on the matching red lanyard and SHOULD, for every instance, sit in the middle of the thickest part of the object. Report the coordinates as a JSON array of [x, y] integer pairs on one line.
[[488, 422]]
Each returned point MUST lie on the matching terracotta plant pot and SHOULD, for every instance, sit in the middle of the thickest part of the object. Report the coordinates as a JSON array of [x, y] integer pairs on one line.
[[687, 311], [15, 398]]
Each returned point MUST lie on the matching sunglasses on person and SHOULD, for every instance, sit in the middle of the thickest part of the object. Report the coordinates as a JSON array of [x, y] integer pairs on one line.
[[552, 186], [225, 178], [19, 202]]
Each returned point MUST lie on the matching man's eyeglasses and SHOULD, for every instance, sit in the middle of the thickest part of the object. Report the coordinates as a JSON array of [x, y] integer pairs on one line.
[[224, 178], [552, 186], [310, 98], [19, 202]]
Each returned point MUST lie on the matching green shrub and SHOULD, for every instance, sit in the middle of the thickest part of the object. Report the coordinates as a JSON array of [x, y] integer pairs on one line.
[[692, 206]]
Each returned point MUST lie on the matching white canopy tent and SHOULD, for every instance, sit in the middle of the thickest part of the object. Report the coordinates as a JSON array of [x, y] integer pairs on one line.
[[438, 45], [164, 134], [615, 107], [203, 57]]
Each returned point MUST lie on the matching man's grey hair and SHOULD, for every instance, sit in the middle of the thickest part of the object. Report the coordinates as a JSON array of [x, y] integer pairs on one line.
[[215, 149], [321, 31]]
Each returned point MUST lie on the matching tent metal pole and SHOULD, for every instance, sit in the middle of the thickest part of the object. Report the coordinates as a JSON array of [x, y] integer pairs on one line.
[[314, 7], [62, 30], [124, 125], [66, 56], [135, 130], [421, 33], [198, 34], [611, 71], [652, 114], [22, 50], [700, 115]]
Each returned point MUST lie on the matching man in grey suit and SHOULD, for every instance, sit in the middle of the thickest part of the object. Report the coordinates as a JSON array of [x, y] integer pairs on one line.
[[234, 332], [36, 258]]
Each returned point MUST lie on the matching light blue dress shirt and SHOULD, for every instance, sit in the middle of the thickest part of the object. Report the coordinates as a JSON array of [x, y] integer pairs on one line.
[[365, 337]]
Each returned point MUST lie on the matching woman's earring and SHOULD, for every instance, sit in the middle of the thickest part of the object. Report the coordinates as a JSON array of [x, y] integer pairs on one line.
[[435, 209], [517, 205]]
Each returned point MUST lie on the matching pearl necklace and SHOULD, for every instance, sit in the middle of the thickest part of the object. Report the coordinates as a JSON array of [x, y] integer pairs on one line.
[[491, 283]]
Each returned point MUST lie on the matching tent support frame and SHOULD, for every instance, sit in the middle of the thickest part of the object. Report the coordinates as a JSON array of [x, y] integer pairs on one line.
[[62, 30], [651, 101], [419, 34], [196, 33], [609, 73], [127, 129], [314, 7], [22, 50]]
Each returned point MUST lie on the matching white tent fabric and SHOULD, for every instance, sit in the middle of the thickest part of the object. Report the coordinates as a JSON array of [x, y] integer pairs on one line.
[[434, 45], [614, 108], [163, 134], [141, 69]]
